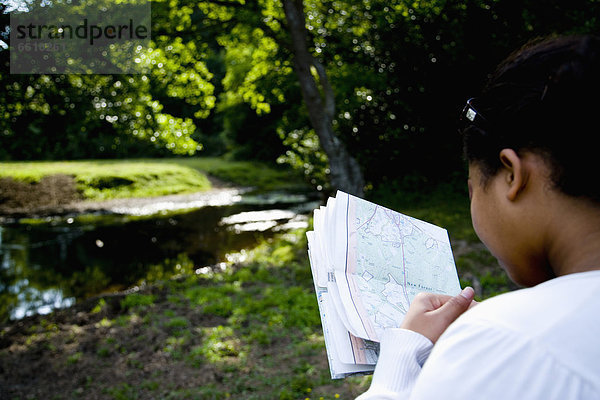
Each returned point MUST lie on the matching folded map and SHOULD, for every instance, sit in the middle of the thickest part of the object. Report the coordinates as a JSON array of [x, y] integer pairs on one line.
[[368, 262]]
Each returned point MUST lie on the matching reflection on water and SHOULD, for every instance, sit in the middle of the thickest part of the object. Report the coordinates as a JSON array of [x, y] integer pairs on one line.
[[53, 263], [257, 220]]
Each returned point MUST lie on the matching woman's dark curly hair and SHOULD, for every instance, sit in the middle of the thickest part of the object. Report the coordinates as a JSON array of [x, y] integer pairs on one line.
[[544, 98]]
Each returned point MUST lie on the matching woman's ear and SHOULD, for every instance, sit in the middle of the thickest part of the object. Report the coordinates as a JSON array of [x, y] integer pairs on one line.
[[515, 173]]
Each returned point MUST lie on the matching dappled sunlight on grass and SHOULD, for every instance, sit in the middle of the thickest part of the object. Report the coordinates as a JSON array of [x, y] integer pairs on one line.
[[262, 176], [107, 179], [111, 179], [247, 328]]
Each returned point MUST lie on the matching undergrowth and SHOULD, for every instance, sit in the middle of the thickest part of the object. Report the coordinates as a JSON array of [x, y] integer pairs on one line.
[[246, 329]]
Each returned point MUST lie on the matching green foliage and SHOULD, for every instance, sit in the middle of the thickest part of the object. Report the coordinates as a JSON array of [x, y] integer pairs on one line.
[[104, 179], [137, 300], [84, 116], [305, 155], [496, 283], [177, 323], [181, 264], [73, 116], [103, 352], [259, 175], [74, 358], [123, 391], [219, 78], [212, 300], [400, 72], [99, 307], [219, 345], [479, 269], [247, 329]]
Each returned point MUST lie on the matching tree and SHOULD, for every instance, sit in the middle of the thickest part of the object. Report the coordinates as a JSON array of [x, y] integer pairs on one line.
[[261, 53], [65, 116], [345, 174], [298, 79]]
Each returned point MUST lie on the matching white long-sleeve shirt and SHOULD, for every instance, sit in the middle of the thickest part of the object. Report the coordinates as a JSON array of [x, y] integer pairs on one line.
[[536, 343]]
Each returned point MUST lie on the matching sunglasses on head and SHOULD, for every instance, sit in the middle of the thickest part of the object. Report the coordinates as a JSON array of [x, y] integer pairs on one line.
[[470, 116]]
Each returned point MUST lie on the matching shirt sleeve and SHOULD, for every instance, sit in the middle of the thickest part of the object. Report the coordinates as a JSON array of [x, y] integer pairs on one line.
[[401, 357]]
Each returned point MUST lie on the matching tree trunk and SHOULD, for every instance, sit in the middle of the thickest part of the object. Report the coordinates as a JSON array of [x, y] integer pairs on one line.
[[345, 173]]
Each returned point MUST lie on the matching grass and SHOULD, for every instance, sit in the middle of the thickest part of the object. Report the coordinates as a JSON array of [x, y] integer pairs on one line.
[[251, 331], [107, 179], [261, 176], [103, 179]]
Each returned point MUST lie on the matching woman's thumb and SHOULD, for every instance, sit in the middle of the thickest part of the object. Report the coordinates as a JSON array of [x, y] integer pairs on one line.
[[457, 305]]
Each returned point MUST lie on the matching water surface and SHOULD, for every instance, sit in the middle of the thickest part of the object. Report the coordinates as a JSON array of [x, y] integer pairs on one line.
[[55, 261]]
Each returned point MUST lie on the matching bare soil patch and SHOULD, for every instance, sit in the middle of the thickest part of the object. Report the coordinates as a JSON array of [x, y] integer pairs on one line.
[[50, 193], [58, 195]]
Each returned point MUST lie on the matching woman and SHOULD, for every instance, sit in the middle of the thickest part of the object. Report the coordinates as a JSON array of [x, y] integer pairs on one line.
[[535, 203]]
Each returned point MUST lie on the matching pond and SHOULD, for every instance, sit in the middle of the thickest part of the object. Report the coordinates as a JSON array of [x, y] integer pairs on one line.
[[53, 262]]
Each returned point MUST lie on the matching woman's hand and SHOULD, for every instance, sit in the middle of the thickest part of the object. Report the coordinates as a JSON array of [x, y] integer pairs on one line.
[[430, 314]]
